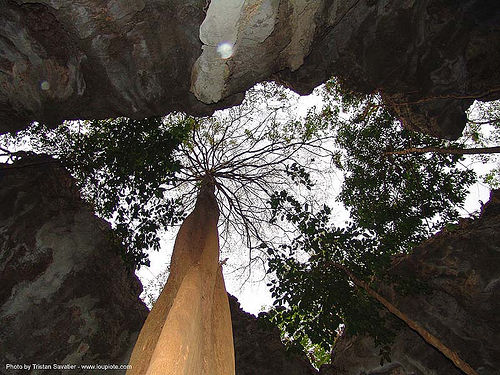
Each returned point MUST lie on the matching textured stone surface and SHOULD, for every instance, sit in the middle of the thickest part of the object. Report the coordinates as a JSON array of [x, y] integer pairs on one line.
[[430, 54], [62, 59], [462, 271], [259, 351], [66, 297], [94, 59]]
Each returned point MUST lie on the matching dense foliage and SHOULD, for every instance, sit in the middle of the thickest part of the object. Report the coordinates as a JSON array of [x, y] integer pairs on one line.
[[142, 175], [123, 168], [314, 297], [394, 204], [403, 198]]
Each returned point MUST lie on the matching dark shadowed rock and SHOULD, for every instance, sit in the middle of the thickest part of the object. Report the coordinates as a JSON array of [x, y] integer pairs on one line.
[[95, 59], [429, 58], [461, 268], [66, 297], [259, 351]]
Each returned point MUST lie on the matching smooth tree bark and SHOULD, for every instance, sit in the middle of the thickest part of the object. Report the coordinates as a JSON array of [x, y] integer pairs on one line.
[[425, 334], [189, 330], [439, 150]]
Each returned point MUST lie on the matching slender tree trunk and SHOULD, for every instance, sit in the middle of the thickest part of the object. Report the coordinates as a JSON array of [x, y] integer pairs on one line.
[[188, 331], [425, 334], [438, 150]]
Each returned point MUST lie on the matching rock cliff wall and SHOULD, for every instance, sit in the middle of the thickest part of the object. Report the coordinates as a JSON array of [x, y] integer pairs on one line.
[[461, 269], [65, 297], [258, 349], [63, 59]]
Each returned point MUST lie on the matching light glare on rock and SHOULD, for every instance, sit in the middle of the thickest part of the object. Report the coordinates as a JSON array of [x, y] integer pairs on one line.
[[225, 50], [44, 85]]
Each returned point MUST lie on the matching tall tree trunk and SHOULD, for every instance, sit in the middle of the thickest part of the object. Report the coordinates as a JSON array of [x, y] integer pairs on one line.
[[425, 334], [439, 150], [189, 331]]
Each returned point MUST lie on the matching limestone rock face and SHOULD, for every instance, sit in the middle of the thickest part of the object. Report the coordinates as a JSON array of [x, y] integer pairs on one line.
[[62, 59], [65, 296], [96, 59], [258, 350], [426, 57], [462, 270]]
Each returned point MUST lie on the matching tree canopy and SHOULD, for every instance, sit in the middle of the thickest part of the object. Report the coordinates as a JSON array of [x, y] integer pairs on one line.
[[395, 202], [403, 199], [143, 174]]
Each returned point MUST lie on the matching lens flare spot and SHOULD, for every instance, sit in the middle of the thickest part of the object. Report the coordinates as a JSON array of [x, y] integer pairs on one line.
[[45, 86], [225, 50]]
